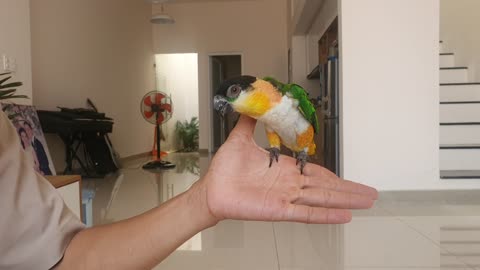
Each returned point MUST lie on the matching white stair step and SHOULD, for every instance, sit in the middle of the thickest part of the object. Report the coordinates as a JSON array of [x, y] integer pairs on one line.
[[447, 60], [460, 92], [469, 112], [453, 75], [461, 174], [460, 159], [459, 134]]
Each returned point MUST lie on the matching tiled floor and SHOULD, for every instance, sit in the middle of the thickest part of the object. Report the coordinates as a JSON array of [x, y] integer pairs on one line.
[[405, 230]]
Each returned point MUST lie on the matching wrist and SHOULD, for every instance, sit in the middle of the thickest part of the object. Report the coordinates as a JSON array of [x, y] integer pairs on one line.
[[196, 197]]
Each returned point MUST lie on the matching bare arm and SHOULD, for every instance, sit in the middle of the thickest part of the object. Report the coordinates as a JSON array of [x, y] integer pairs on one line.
[[238, 185]]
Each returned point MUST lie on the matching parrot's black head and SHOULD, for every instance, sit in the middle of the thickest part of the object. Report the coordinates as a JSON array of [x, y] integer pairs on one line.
[[229, 87], [229, 91]]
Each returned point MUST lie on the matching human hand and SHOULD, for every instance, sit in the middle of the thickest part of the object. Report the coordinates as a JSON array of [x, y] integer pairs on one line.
[[240, 185]]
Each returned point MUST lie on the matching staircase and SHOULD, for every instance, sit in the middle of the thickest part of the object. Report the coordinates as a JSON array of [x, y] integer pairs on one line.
[[459, 121]]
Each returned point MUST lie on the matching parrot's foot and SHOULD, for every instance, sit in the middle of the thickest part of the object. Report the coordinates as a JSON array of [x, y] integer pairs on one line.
[[302, 159], [274, 154]]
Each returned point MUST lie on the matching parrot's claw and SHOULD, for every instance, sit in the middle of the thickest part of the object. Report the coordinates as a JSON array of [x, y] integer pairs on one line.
[[274, 154], [302, 159]]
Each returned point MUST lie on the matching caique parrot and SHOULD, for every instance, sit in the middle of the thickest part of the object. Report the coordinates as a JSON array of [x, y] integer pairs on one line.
[[285, 109]]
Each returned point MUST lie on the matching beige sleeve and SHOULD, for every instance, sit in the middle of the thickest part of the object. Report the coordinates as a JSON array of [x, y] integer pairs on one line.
[[35, 224]]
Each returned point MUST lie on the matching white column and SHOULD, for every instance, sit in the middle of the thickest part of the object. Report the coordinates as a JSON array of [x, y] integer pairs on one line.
[[390, 93]]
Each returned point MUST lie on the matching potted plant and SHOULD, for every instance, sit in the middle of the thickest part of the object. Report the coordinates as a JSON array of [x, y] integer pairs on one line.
[[7, 90], [187, 132]]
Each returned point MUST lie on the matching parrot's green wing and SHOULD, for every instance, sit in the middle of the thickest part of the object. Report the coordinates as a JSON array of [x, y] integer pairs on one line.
[[305, 106]]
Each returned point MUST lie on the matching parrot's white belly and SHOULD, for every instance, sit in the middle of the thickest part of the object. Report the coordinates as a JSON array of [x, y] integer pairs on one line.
[[286, 120]]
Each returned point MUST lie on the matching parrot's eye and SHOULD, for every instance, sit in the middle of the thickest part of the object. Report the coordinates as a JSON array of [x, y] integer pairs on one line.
[[234, 91]]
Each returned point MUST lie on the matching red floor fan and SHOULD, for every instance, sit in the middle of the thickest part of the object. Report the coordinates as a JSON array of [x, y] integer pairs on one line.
[[156, 108]]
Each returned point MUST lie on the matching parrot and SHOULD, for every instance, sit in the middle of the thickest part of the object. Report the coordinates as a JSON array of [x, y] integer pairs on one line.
[[285, 109]]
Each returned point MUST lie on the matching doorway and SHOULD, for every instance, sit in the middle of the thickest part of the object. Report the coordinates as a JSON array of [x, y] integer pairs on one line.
[[177, 76], [222, 67]]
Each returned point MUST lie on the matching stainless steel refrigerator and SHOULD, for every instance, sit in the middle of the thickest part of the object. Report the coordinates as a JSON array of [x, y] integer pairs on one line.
[[329, 112]]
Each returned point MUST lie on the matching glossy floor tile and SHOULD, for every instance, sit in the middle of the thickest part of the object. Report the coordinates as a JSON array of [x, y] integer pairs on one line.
[[404, 230], [449, 219], [229, 245]]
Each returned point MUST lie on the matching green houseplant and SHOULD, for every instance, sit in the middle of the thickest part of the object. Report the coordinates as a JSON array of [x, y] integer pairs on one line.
[[7, 90], [187, 132]]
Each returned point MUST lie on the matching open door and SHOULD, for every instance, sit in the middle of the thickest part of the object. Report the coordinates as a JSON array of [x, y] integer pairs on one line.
[[223, 67]]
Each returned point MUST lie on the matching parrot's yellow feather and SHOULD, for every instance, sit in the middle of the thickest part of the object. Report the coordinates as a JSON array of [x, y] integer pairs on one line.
[[268, 89], [259, 100], [273, 139]]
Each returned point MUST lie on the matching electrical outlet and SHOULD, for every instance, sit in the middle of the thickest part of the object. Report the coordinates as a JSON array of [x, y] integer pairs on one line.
[[5, 62], [9, 64]]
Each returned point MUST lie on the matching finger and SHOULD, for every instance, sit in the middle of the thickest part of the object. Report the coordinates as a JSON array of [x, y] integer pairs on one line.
[[316, 175], [245, 125], [317, 215], [340, 185], [333, 199]]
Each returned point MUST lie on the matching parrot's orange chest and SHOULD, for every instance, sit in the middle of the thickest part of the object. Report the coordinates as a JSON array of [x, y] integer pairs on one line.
[[258, 101]]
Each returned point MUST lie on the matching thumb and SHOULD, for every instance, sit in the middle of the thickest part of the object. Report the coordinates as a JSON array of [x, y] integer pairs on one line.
[[245, 126]]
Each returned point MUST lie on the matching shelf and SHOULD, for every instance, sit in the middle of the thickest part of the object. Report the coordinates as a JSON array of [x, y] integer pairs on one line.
[[315, 74], [62, 180]]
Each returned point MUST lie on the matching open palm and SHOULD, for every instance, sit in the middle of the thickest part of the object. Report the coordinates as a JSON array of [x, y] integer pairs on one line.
[[240, 185]]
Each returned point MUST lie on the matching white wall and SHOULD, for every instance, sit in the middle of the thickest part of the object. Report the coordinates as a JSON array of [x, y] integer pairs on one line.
[[325, 17], [328, 13], [215, 27], [15, 43], [100, 50], [301, 67], [459, 23], [390, 94], [305, 47], [177, 75]]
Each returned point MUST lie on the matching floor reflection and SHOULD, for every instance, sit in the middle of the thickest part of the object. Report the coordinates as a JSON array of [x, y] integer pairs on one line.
[[405, 230], [133, 190]]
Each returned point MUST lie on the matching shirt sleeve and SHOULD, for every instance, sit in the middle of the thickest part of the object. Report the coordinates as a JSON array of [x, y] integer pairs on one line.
[[35, 224]]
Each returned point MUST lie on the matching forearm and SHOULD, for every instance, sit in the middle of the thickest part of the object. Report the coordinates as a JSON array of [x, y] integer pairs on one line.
[[143, 241]]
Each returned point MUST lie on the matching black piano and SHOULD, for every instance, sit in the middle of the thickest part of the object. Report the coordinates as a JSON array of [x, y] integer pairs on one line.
[[83, 132]]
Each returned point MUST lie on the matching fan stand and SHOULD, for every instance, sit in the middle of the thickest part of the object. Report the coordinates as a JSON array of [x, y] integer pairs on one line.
[[158, 164]]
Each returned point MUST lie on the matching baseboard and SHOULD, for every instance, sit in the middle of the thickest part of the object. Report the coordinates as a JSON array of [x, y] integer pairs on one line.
[[203, 151], [133, 157]]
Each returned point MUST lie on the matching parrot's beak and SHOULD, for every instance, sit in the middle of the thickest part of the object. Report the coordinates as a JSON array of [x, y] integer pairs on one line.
[[221, 105]]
